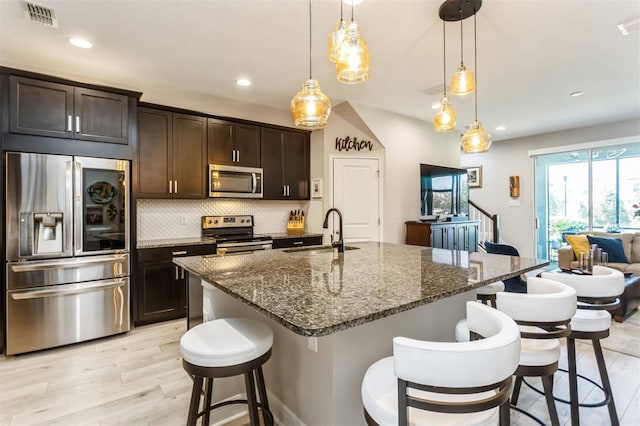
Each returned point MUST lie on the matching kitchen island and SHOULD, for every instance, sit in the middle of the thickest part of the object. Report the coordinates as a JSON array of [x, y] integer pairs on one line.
[[335, 314]]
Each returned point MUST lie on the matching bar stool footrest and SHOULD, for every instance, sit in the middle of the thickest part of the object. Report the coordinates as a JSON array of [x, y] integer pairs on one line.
[[602, 403], [239, 401], [526, 413]]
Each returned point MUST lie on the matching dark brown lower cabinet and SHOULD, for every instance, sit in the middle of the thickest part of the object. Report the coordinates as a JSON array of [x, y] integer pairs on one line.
[[161, 289], [445, 235], [302, 241]]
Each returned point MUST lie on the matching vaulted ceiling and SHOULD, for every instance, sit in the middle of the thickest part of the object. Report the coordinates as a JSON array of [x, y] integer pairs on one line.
[[531, 54]]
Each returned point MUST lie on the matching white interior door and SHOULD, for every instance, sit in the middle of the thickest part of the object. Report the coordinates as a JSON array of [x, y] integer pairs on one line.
[[356, 192]]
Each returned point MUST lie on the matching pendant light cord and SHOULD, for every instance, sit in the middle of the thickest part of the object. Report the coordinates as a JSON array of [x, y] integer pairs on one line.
[[310, 78], [461, 40], [475, 60], [351, 10], [341, 11], [444, 60]]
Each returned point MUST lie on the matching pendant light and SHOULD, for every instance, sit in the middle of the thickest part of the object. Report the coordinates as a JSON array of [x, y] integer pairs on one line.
[[463, 80], [476, 138], [352, 63], [445, 118], [310, 107], [336, 37]]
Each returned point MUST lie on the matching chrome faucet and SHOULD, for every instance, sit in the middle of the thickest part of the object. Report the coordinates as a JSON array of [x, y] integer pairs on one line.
[[325, 225]]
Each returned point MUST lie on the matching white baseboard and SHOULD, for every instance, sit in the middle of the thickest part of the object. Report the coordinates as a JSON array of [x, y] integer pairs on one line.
[[282, 414]]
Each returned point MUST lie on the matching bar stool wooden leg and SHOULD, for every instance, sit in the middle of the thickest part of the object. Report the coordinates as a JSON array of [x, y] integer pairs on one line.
[[505, 414], [207, 400], [573, 382], [251, 398], [195, 401], [262, 392], [604, 377], [547, 383], [516, 390]]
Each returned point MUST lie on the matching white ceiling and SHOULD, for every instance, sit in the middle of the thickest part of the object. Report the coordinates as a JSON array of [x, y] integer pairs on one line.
[[531, 54]]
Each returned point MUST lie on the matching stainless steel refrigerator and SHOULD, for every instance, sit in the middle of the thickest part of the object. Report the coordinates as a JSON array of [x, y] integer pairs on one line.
[[67, 250]]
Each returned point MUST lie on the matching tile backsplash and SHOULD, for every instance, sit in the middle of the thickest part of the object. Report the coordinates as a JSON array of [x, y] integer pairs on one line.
[[166, 219]]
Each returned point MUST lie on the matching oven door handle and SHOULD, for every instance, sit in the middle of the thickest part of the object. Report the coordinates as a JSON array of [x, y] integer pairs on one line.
[[69, 289]]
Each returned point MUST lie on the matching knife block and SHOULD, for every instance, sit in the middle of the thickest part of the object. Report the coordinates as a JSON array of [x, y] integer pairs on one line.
[[295, 227]]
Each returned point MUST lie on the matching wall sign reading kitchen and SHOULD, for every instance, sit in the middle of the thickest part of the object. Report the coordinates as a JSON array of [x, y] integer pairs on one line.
[[348, 144]]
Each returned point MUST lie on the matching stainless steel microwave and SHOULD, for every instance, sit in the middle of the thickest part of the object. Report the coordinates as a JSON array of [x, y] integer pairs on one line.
[[235, 181]]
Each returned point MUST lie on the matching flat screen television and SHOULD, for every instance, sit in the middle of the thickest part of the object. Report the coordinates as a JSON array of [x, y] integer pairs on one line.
[[444, 191]]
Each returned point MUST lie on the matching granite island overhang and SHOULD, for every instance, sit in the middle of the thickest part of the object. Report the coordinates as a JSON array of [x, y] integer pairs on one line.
[[344, 310], [319, 293]]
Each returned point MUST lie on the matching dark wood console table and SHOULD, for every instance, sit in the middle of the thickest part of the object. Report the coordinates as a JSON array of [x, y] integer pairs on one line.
[[454, 235]]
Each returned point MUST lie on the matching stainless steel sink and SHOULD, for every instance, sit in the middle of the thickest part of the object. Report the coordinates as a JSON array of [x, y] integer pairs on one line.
[[317, 249]]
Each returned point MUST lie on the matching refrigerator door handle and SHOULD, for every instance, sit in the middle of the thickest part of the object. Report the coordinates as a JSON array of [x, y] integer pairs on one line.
[[68, 289], [77, 203]]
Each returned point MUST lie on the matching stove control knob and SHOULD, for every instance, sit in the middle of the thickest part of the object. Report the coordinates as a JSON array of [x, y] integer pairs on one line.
[[242, 221], [215, 221]]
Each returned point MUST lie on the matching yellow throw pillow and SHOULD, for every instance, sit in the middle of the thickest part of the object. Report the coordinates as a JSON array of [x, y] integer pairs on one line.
[[579, 244]]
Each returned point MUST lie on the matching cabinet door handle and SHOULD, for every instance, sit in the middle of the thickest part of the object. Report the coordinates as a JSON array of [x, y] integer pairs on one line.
[[238, 156], [284, 190], [177, 276], [175, 186], [69, 124], [170, 187], [179, 253], [77, 124], [297, 243], [233, 156], [182, 273], [287, 190]]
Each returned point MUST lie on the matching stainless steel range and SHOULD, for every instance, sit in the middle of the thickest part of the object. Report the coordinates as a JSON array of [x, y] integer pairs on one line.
[[234, 234], [67, 250]]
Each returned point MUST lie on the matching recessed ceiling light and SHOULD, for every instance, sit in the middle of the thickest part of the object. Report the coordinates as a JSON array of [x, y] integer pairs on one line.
[[243, 82], [355, 2], [500, 128], [576, 94], [80, 42], [436, 105]]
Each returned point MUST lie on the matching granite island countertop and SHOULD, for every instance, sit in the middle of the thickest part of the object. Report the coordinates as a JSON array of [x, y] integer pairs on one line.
[[320, 293]]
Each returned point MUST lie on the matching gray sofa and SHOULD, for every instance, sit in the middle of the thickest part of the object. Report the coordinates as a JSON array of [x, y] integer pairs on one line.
[[630, 245], [630, 299]]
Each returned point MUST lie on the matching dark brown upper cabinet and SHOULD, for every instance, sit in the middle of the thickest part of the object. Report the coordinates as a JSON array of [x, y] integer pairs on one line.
[[285, 164], [44, 108], [171, 155], [233, 144]]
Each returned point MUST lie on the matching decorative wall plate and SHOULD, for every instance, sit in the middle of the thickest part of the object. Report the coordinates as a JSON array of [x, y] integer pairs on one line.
[[102, 192]]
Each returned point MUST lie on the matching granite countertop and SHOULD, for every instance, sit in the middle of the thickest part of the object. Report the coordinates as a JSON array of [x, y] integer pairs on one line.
[[145, 244], [319, 293]]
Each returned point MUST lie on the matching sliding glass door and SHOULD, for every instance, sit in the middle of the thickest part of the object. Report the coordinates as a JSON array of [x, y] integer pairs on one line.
[[585, 189]]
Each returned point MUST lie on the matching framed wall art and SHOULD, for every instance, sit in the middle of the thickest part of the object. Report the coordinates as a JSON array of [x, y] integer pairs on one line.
[[474, 175]]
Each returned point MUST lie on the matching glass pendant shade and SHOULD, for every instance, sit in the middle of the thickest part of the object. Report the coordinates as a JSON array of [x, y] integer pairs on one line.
[[476, 139], [335, 38], [462, 82], [310, 107], [445, 118], [353, 57]]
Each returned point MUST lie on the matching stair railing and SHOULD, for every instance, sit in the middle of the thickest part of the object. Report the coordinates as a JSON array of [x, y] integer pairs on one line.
[[489, 226]]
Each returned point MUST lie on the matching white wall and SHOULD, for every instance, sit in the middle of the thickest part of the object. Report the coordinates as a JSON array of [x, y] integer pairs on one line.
[[511, 157], [407, 142]]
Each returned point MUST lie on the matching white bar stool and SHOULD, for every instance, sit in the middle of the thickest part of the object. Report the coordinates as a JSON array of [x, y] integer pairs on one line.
[[597, 294], [435, 383], [223, 348], [543, 314]]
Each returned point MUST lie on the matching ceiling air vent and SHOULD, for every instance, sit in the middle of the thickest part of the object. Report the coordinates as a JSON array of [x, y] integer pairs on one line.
[[41, 14]]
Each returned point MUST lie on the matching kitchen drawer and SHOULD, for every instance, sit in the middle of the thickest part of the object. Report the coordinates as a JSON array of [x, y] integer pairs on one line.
[[279, 243], [167, 253]]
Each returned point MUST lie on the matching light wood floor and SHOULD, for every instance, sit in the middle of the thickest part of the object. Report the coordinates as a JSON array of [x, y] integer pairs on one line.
[[138, 379]]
